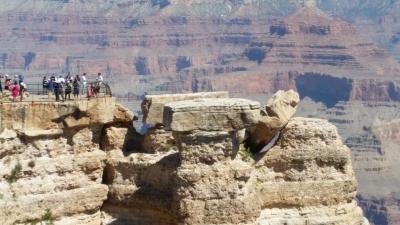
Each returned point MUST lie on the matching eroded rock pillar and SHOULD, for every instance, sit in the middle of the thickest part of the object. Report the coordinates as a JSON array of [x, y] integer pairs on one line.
[[212, 182]]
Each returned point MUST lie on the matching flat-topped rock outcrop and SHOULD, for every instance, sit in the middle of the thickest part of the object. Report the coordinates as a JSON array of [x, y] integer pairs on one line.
[[210, 176], [211, 114], [153, 105]]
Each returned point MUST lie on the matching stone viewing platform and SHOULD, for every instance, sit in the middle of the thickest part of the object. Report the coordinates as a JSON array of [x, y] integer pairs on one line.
[[49, 117], [206, 159]]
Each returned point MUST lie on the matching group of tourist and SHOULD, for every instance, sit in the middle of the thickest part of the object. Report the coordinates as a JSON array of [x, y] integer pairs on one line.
[[16, 86], [62, 87]]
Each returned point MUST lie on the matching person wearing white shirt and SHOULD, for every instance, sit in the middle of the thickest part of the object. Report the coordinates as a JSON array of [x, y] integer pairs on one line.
[[61, 79], [100, 77], [84, 82], [61, 86]]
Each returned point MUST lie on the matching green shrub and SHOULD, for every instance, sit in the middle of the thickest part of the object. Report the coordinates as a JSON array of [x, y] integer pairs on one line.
[[48, 218], [245, 152], [14, 173]]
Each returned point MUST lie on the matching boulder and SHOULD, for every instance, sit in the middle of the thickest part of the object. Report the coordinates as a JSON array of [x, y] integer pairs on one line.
[[283, 105], [123, 115], [280, 108], [153, 105], [214, 114]]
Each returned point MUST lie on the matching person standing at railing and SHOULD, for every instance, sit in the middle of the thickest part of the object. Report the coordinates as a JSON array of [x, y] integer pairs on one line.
[[56, 88], [22, 88], [45, 85], [100, 78], [7, 83], [61, 87], [68, 90], [75, 86], [52, 83], [20, 79], [14, 91], [84, 82], [16, 79], [77, 78], [90, 91]]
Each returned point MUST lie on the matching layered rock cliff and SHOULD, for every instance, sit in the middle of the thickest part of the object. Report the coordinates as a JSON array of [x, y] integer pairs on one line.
[[246, 47], [82, 162], [51, 160]]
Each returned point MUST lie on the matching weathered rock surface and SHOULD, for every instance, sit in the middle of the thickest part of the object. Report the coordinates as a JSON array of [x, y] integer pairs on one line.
[[158, 140], [279, 110], [207, 177], [140, 188], [211, 183], [153, 105], [309, 170], [374, 143], [211, 114], [51, 165]]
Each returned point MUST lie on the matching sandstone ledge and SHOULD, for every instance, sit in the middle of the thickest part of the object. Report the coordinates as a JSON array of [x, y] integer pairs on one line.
[[211, 114], [153, 105]]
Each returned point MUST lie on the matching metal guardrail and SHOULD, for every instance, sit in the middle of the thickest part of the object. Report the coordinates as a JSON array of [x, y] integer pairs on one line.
[[36, 92]]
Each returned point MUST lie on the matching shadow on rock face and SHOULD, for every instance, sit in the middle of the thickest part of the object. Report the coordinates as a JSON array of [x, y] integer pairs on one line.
[[324, 88]]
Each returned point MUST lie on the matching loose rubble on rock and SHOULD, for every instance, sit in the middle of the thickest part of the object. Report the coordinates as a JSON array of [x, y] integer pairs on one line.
[[83, 163]]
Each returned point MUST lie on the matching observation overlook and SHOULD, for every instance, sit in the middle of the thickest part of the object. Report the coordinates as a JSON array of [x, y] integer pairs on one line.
[[35, 92]]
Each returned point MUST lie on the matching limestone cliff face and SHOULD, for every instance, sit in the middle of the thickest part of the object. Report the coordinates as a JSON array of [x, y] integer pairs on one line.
[[51, 165], [305, 178], [83, 163]]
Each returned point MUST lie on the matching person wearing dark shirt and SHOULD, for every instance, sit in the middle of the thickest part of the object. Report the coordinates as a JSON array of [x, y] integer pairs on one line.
[[75, 85], [45, 85], [68, 90], [7, 83]]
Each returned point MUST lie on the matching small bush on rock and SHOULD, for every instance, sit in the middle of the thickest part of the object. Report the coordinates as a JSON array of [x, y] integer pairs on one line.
[[14, 173]]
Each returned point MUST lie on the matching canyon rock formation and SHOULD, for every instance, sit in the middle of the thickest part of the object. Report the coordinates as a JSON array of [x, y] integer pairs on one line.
[[343, 54], [51, 162], [278, 111], [82, 162]]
